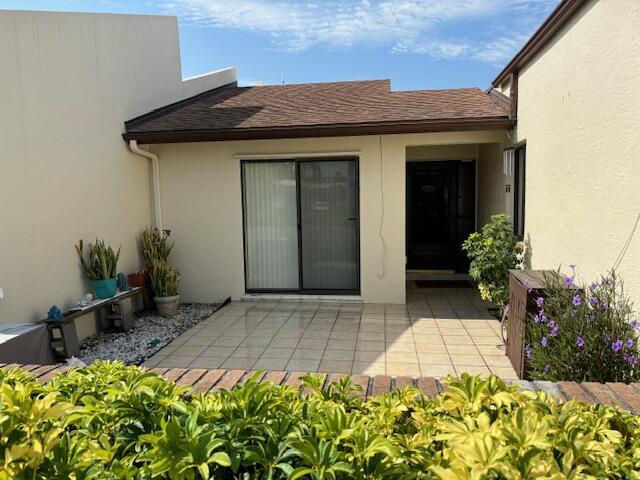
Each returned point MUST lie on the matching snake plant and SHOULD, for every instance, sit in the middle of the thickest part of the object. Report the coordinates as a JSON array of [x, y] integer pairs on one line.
[[155, 246], [102, 261], [164, 280]]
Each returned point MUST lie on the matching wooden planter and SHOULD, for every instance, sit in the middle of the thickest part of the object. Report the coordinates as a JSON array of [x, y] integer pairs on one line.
[[524, 287]]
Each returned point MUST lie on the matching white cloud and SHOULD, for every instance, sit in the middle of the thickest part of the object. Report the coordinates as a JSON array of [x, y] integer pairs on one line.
[[404, 26]]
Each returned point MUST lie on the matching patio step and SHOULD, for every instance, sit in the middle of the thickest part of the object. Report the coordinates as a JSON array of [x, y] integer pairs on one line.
[[202, 380]]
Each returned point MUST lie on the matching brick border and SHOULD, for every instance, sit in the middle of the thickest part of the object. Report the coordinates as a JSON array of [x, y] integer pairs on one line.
[[201, 381]]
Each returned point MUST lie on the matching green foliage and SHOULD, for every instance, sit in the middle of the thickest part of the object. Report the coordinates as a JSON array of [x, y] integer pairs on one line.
[[583, 333], [108, 421], [164, 280], [493, 251], [102, 262], [155, 246]]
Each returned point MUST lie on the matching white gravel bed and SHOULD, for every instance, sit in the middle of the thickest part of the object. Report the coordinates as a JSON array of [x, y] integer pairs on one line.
[[141, 341]]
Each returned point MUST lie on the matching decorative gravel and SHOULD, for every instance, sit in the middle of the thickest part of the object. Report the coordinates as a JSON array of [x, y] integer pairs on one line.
[[149, 334]]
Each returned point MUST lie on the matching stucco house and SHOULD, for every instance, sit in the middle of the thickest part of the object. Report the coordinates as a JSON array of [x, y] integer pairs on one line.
[[334, 189]]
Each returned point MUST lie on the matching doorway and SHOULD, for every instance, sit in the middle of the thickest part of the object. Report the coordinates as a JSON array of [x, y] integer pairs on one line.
[[441, 214], [301, 226]]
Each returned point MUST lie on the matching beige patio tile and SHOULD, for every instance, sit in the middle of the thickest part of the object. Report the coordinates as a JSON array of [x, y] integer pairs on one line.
[[254, 352], [239, 363], [199, 340], [312, 343], [463, 349], [277, 352], [449, 323], [491, 349], [506, 373], [437, 371], [370, 346], [434, 358], [493, 340], [284, 342], [473, 370], [361, 356], [176, 361], [168, 350], [302, 365], [497, 361], [216, 351], [207, 362], [400, 347], [370, 336], [419, 330], [341, 344], [432, 339], [431, 348], [153, 361], [401, 357], [307, 353], [403, 369], [228, 341], [462, 359], [368, 368], [270, 364], [335, 366], [338, 355], [395, 337], [252, 341], [189, 350]]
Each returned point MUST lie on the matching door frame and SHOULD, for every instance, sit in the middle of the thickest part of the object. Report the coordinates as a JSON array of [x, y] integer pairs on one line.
[[302, 291], [454, 212]]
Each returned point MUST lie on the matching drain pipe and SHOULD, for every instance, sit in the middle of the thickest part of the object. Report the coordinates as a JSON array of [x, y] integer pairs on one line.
[[155, 177]]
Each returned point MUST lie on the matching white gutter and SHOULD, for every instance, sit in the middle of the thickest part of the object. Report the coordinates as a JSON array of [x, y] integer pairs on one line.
[[155, 177]]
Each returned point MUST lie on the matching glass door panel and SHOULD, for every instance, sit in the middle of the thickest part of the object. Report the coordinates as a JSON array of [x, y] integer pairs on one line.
[[270, 225]]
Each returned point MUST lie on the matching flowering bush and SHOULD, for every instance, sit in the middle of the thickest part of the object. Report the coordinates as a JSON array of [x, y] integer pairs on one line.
[[583, 334], [108, 421], [493, 251]]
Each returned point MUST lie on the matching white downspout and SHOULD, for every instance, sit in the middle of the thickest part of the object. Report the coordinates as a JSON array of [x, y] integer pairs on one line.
[[155, 178]]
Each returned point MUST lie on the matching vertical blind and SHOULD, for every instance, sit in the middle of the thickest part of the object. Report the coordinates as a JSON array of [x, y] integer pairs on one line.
[[271, 225]]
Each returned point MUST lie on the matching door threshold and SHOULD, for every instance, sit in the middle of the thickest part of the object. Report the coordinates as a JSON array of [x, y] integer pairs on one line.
[[309, 298]]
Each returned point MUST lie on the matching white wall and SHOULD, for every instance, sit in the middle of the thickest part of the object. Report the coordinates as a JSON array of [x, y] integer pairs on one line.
[[67, 84], [202, 205], [579, 113]]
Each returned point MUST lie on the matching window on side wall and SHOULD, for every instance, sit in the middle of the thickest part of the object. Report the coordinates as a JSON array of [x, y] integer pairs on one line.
[[519, 175]]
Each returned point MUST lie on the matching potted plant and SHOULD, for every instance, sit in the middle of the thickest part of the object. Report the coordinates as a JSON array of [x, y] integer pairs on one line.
[[155, 247], [100, 266], [139, 279], [164, 281]]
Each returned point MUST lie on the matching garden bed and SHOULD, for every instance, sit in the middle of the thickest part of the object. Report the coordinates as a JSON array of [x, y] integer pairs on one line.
[[150, 333]]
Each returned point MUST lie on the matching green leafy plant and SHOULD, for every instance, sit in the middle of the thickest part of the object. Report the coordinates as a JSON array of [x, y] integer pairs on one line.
[[101, 262], [108, 421], [493, 251], [155, 246], [164, 280], [583, 333]]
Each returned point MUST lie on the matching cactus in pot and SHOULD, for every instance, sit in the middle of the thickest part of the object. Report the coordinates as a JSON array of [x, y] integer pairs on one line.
[[165, 283], [100, 266]]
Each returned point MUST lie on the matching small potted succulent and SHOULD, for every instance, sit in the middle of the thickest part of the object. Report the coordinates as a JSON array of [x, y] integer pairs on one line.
[[100, 267], [164, 281]]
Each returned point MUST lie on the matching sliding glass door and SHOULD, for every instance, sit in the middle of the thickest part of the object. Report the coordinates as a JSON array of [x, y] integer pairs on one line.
[[301, 225]]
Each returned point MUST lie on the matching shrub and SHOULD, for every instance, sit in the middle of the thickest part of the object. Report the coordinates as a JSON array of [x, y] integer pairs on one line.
[[155, 246], [164, 280], [108, 421], [583, 334], [102, 263], [493, 251]]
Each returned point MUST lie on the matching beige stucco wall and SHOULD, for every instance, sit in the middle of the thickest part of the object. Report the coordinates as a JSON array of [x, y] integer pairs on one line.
[[202, 205], [579, 113], [67, 84]]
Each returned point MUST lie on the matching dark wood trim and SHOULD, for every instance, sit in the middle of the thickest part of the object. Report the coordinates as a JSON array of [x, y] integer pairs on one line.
[[547, 31], [336, 130]]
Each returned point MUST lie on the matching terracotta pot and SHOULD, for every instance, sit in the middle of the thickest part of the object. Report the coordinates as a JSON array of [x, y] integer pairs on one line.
[[167, 306], [139, 279]]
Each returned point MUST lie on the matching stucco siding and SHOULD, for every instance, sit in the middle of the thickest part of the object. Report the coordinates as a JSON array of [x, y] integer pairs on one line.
[[579, 114], [202, 205], [67, 84]]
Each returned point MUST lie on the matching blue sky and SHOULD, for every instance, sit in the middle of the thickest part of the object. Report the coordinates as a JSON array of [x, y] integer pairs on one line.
[[418, 44]]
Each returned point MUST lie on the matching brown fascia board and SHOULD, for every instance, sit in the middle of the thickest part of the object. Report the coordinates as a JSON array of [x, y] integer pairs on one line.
[[554, 22], [337, 130]]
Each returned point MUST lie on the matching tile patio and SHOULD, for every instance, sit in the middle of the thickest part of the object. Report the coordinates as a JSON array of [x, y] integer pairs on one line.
[[441, 331]]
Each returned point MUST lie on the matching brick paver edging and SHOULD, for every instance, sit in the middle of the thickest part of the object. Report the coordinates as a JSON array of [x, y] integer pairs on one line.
[[202, 380]]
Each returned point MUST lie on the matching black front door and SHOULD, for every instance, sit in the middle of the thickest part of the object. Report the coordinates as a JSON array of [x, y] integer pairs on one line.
[[440, 214]]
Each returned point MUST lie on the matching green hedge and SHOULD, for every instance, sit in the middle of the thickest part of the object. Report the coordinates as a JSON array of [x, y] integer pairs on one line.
[[108, 421]]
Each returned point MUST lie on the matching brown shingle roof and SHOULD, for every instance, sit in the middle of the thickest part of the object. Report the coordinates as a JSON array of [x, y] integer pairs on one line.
[[280, 110]]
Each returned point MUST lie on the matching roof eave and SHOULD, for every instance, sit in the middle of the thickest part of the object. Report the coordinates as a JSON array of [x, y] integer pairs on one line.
[[343, 130], [556, 20]]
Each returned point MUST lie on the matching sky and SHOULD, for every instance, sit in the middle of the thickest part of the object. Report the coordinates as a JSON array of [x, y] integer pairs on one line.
[[418, 44]]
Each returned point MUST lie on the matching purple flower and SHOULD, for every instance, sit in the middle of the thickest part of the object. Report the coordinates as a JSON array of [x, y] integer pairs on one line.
[[543, 341], [595, 286], [630, 359], [568, 281], [540, 317], [592, 316], [593, 300], [617, 345], [527, 350], [635, 324], [576, 300], [629, 343], [580, 342], [539, 302], [554, 331]]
